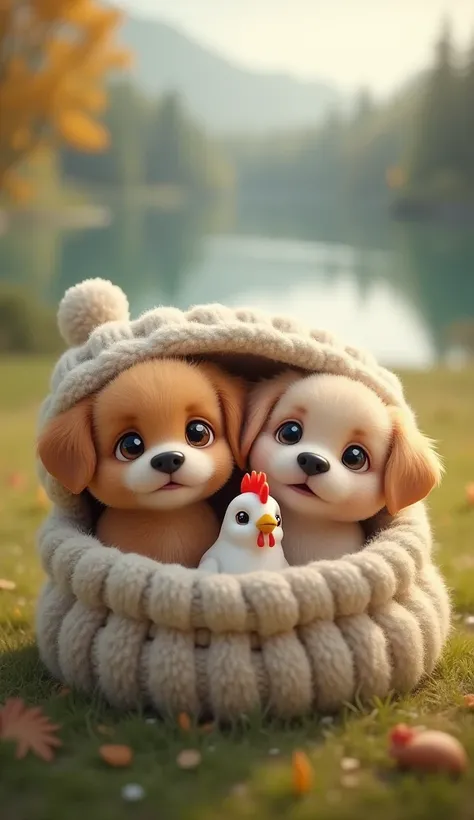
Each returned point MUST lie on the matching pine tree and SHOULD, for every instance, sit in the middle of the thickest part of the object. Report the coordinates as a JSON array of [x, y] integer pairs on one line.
[[54, 56], [436, 149], [467, 131]]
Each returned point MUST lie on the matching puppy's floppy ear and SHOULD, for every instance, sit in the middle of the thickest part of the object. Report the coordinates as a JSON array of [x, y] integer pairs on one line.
[[232, 394], [263, 399], [66, 448], [413, 467]]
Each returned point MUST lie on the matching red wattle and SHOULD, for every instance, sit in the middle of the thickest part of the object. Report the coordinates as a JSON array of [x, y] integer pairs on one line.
[[271, 540], [260, 540]]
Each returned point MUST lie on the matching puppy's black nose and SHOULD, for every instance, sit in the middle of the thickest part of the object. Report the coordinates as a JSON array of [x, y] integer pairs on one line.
[[311, 464], [167, 462]]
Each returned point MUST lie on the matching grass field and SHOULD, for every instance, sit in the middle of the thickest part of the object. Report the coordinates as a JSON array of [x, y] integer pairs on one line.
[[246, 772]]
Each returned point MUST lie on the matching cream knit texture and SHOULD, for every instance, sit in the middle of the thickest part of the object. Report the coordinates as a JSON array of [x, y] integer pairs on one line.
[[150, 634]]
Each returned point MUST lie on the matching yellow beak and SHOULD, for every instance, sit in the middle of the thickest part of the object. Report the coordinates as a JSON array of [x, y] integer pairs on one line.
[[266, 523]]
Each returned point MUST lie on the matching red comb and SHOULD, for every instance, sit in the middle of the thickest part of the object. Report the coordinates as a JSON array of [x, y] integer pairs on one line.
[[256, 483]]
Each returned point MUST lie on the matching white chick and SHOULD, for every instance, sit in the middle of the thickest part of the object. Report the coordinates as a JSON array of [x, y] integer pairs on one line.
[[251, 533]]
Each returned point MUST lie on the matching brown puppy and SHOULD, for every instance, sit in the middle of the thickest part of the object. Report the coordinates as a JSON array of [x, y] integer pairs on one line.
[[334, 455], [151, 446]]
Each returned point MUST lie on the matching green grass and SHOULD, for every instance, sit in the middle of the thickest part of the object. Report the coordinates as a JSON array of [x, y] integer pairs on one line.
[[239, 777]]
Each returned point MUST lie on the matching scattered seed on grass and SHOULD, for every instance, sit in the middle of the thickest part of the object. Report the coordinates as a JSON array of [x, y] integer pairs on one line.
[[350, 764], [302, 771], [117, 756], [133, 792], [184, 722], [6, 585], [189, 759]]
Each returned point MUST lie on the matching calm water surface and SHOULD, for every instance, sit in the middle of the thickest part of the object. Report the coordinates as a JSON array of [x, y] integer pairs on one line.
[[405, 292]]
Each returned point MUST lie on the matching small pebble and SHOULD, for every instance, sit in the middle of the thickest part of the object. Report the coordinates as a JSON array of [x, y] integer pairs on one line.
[[274, 752], [150, 721], [431, 751], [189, 759], [133, 792], [350, 764], [469, 621], [327, 721]]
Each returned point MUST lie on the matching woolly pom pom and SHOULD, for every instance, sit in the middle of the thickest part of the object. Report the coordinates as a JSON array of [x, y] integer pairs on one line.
[[88, 305]]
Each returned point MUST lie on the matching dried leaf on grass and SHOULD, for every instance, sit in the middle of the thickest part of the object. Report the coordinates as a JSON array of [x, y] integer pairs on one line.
[[29, 728], [116, 756], [184, 722], [470, 493], [6, 585], [16, 481], [302, 770]]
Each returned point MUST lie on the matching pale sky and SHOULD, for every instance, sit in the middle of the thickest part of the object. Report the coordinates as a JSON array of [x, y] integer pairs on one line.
[[378, 43]]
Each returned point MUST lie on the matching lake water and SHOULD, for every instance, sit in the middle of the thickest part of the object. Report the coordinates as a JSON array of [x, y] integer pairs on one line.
[[406, 292]]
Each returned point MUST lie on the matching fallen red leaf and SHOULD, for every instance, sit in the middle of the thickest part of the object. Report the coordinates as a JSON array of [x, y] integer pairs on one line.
[[30, 728]]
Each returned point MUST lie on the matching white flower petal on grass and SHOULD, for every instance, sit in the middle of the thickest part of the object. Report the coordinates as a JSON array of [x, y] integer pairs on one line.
[[133, 792]]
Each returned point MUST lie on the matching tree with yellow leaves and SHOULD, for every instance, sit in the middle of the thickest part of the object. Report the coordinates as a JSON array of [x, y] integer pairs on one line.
[[54, 59]]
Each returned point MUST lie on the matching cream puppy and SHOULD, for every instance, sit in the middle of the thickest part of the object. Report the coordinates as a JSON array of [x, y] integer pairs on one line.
[[334, 455]]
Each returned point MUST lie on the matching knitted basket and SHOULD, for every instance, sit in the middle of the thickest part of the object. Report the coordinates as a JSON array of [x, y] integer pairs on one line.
[[175, 639]]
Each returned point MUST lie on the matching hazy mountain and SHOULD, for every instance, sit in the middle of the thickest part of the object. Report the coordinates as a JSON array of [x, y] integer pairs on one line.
[[224, 96]]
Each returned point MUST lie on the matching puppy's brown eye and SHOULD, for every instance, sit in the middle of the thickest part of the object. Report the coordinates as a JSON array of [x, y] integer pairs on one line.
[[199, 434], [355, 458], [291, 432], [130, 447]]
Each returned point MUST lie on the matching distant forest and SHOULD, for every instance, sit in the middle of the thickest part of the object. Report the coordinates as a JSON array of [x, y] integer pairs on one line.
[[417, 146]]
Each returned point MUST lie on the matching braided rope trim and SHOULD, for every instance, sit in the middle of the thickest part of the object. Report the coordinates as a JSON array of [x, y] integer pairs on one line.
[[310, 638], [213, 329], [267, 603]]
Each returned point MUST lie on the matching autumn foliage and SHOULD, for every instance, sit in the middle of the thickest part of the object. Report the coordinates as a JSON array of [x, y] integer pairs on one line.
[[54, 58]]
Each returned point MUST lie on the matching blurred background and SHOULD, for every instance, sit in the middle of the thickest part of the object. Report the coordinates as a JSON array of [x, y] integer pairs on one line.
[[315, 158]]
